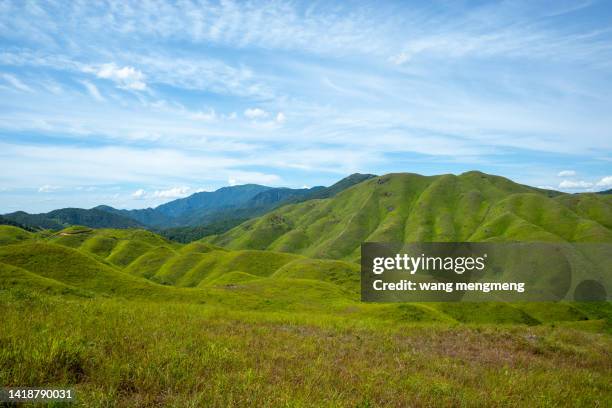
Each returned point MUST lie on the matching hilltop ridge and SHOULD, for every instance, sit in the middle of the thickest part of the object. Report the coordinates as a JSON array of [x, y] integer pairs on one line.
[[407, 207]]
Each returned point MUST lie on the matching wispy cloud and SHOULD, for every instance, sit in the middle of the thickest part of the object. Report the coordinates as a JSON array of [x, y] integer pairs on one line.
[[174, 192], [93, 91], [164, 195], [125, 77], [16, 83], [300, 92], [47, 188], [255, 113]]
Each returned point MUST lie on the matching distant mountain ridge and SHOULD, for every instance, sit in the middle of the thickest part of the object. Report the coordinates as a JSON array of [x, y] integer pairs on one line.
[[206, 202], [147, 217], [229, 206], [6, 221], [195, 216], [65, 217]]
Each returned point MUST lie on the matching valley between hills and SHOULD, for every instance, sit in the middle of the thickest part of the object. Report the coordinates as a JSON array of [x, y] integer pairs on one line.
[[267, 311]]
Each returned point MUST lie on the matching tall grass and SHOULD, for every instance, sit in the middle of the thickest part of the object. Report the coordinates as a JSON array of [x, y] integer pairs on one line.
[[126, 353]]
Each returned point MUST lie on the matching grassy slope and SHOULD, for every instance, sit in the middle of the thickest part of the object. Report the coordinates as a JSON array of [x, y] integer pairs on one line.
[[409, 207], [11, 235], [19, 280], [133, 354], [245, 279], [596, 207], [29, 266], [74, 268]]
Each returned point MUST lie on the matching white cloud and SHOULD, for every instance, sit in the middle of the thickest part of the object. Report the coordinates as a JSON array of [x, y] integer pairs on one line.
[[399, 59], [125, 77], [139, 194], [280, 118], [122, 165], [605, 182], [444, 110], [203, 74], [93, 91], [584, 185], [47, 188], [174, 192], [207, 116], [16, 83], [575, 185], [53, 87], [566, 173], [255, 113]]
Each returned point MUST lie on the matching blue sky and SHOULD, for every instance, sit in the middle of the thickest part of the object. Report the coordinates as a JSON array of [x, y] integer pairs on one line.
[[133, 104]]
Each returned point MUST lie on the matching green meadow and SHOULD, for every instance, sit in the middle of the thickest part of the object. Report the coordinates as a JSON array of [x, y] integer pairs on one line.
[[117, 352], [268, 313]]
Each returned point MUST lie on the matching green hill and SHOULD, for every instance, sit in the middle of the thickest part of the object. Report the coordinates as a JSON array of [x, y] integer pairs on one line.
[[137, 264], [71, 267], [10, 234], [42, 267], [12, 277], [302, 256], [410, 208], [592, 206]]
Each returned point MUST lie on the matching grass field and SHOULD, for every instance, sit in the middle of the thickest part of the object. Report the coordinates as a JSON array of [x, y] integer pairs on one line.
[[126, 353]]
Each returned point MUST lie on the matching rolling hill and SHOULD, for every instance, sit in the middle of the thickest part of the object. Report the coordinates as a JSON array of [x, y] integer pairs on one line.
[[142, 253], [407, 207], [140, 265], [302, 255]]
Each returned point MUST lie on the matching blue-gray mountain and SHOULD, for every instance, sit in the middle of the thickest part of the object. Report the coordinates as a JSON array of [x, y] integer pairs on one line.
[[188, 218], [65, 217]]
